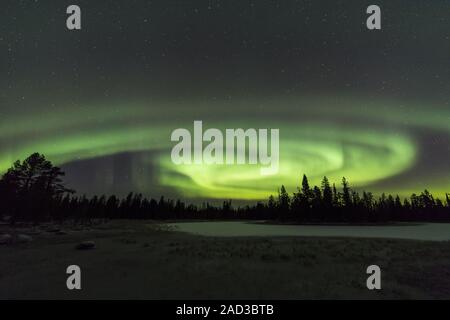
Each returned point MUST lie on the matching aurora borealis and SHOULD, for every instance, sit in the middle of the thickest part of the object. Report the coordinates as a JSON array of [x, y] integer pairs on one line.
[[373, 106]]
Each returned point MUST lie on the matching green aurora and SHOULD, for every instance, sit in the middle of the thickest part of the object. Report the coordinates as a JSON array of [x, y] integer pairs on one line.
[[334, 136]]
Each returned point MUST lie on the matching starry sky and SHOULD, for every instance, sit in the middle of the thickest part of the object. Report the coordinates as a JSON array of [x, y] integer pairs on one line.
[[373, 106]]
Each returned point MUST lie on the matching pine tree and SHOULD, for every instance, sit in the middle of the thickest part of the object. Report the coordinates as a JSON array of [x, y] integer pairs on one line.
[[346, 193], [283, 200], [327, 193], [305, 187], [335, 197], [31, 186]]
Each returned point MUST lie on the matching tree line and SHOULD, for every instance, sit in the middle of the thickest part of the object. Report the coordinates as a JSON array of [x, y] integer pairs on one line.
[[32, 190]]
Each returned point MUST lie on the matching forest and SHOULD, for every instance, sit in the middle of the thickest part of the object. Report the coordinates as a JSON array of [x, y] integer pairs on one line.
[[33, 191]]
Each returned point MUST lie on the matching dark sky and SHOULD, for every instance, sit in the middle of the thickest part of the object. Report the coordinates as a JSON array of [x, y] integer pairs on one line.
[[102, 101]]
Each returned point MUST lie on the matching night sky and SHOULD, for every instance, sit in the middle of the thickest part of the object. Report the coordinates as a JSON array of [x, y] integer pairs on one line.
[[373, 106]]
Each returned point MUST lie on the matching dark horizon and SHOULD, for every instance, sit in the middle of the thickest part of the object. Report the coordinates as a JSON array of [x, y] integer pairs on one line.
[[33, 190]]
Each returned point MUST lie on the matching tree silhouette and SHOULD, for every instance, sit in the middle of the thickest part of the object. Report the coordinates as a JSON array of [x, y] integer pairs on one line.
[[327, 193], [32, 190], [283, 201], [346, 193], [30, 186], [305, 186]]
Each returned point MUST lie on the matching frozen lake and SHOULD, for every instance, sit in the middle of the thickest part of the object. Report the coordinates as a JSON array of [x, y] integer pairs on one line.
[[425, 231]]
